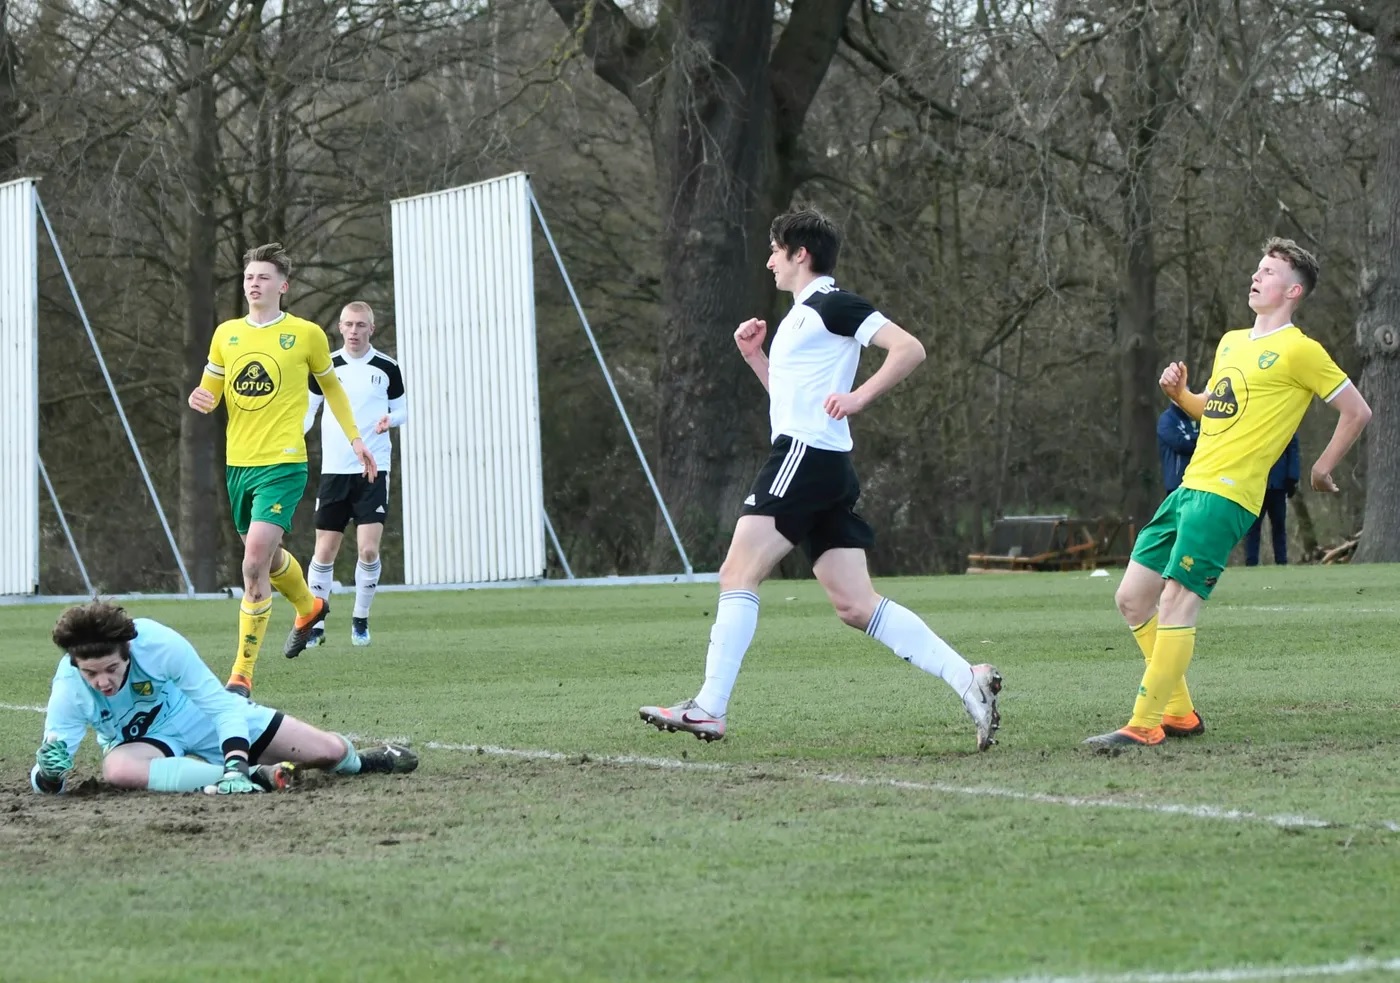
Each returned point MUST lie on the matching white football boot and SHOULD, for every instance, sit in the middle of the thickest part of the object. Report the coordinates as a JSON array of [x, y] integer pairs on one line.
[[981, 702], [687, 716]]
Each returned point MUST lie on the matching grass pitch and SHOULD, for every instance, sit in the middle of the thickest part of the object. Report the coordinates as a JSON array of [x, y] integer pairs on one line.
[[844, 830]]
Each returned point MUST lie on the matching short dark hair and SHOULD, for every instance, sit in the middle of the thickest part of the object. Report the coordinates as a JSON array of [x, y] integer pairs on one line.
[[1303, 262], [271, 252], [93, 630], [804, 226]]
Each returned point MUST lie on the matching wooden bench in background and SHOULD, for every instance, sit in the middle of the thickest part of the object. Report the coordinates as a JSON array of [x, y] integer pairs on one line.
[[1027, 543]]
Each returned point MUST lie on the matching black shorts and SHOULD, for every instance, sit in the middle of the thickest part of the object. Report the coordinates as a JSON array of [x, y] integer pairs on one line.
[[811, 495], [342, 497]]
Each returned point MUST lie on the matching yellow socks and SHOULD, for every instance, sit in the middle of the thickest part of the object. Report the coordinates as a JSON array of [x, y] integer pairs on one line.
[[290, 582], [1179, 704], [1145, 635], [1166, 670], [252, 626]]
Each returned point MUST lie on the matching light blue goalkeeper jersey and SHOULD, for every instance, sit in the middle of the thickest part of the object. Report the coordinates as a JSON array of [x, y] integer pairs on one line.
[[169, 692]]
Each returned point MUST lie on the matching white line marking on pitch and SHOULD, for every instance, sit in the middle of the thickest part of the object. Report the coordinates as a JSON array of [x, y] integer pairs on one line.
[[1237, 975], [974, 791], [856, 781], [16, 706], [1302, 607], [1242, 974]]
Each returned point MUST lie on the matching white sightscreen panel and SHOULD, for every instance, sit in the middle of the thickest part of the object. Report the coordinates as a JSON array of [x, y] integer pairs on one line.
[[19, 389], [464, 300]]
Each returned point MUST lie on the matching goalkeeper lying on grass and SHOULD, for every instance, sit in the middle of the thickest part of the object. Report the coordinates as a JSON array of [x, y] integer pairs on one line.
[[164, 721]]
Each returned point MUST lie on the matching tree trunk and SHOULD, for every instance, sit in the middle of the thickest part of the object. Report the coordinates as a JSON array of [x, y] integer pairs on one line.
[[270, 140], [714, 148], [201, 437], [1139, 402], [9, 99], [1378, 323], [724, 107]]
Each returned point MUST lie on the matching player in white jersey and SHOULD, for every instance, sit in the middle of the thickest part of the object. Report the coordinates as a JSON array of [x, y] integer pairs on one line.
[[375, 386], [806, 492], [165, 723]]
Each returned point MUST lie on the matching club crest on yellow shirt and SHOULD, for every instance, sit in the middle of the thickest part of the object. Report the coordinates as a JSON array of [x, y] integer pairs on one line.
[[287, 340], [1267, 358]]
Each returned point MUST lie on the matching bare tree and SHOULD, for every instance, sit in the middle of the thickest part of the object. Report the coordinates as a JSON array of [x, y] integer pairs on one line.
[[725, 109], [201, 438], [1018, 182], [1378, 321], [1152, 72], [9, 97]]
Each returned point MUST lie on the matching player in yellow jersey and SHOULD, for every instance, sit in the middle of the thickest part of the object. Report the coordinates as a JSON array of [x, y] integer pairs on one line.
[[1261, 384], [259, 365]]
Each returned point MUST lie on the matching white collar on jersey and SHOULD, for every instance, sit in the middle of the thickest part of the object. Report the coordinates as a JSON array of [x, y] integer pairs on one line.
[[370, 352], [813, 287], [265, 324], [1281, 327]]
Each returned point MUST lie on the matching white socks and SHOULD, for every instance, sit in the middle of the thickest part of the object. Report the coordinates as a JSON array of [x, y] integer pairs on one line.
[[318, 578], [736, 616], [366, 581], [914, 642]]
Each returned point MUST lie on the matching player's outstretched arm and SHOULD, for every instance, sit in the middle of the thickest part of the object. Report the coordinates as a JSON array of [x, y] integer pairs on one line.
[[206, 396], [52, 763], [339, 402], [1173, 383], [398, 412], [1353, 415], [749, 337], [64, 729], [903, 351]]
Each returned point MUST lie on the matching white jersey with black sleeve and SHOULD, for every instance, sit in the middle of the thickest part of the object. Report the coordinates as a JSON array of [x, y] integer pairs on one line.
[[814, 353], [375, 387]]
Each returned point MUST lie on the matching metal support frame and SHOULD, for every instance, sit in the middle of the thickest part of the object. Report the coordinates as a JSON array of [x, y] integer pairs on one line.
[[121, 414], [607, 377]]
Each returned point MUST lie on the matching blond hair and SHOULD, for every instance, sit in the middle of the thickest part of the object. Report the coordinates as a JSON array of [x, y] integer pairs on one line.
[[360, 307]]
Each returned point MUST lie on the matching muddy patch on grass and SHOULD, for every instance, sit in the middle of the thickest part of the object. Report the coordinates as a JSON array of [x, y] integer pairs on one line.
[[101, 826]]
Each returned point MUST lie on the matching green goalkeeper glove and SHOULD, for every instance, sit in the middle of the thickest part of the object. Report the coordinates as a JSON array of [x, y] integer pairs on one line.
[[54, 762], [236, 780]]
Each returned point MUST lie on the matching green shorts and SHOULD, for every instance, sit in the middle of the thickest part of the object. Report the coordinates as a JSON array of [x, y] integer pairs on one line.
[[1190, 538], [265, 494]]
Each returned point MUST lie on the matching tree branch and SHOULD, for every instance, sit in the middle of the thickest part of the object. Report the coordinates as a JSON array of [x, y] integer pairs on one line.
[[1362, 20], [129, 387], [624, 55], [1012, 322], [913, 96], [801, 58]]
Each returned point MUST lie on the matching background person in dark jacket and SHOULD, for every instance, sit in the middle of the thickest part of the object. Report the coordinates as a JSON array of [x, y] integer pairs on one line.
[[1176, 440], [1283, 482]]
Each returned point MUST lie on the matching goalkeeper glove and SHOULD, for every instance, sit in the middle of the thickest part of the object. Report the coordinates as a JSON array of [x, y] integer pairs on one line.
[[54, 763], [236, 780]]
